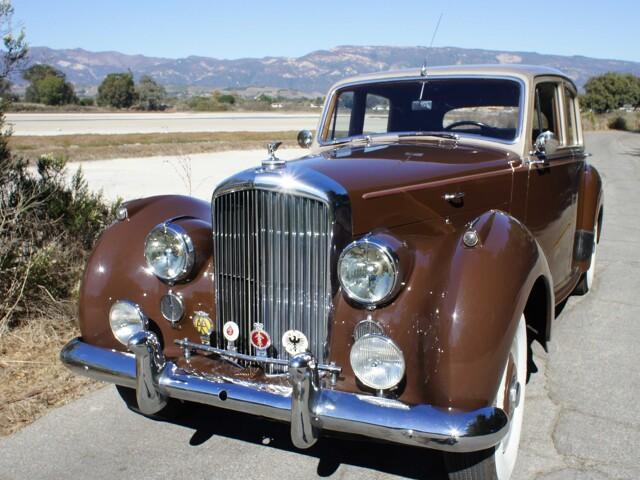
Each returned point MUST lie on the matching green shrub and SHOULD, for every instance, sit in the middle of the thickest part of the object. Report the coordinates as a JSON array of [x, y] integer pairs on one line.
[[48, 225], [618, 123], [117, 90], [206, 104]]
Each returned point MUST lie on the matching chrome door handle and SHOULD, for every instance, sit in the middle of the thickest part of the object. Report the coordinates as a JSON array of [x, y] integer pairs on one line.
[[452, 197]]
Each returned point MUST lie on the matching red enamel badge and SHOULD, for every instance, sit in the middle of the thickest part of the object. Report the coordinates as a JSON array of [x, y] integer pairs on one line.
[[260, 339]]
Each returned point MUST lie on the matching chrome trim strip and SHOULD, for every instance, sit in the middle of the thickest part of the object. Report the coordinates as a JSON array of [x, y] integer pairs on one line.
[[331, 97], [416, 425], [249, 358]]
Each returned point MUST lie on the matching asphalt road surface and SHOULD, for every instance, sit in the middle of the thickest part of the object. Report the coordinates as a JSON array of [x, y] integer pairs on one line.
[[112, 123], [581, 419]]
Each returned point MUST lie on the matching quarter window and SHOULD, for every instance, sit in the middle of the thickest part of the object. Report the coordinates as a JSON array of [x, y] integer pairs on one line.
[[342, 116], [545, 116]]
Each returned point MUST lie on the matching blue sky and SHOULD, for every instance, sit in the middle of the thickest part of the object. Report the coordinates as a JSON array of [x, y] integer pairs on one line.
[[171, 28]]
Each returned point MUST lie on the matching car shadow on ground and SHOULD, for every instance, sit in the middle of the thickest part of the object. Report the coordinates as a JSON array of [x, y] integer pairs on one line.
[[330, 451]]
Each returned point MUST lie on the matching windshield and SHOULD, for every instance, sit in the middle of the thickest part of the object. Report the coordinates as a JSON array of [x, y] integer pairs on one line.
[[484, 107]]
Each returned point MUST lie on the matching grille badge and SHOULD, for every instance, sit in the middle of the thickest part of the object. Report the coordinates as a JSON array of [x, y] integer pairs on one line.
[[260, 339], [294, 341]]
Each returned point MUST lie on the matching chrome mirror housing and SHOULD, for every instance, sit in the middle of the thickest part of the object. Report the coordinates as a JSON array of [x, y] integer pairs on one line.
[[546, 144], [305, 138]]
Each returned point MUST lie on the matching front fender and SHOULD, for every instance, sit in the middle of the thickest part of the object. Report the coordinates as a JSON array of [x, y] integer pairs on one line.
[[457, 314], [117, 270]]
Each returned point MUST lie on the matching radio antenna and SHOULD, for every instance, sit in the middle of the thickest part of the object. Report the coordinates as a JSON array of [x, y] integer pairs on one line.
[[423, 70]]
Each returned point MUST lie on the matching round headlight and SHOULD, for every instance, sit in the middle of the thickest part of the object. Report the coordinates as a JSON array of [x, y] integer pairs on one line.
[[377, 362], [368, 271], [126, 319], [169, 252]]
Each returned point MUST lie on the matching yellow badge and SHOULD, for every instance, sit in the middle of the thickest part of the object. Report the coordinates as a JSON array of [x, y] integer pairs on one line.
[[203, 323]]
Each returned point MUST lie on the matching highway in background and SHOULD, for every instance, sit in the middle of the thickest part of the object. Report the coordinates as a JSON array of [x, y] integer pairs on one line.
[[119, 123]]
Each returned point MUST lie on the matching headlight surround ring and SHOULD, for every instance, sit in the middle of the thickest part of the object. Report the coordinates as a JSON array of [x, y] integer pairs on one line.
[[384, 256], [377, 361], [169, 239], [126, 319]]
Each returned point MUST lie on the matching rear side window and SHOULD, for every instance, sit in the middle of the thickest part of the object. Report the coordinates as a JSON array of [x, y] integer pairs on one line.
[[570, 118]]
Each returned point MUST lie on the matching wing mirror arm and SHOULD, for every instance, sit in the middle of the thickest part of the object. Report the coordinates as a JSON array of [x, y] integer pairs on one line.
[[545, 146]]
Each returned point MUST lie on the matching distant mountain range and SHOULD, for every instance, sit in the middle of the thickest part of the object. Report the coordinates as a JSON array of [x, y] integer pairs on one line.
[[313, 72]]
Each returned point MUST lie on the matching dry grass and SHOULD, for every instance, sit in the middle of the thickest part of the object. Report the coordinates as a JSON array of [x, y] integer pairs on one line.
[[595, 122], [101, 147], [32, 378]]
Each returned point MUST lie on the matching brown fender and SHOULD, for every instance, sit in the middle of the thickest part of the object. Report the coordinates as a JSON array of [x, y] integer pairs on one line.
[[117, 270], [457, 314]]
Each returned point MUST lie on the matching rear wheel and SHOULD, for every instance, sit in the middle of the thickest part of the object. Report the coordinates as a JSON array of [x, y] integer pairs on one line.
[[173, 409], [497, 463]]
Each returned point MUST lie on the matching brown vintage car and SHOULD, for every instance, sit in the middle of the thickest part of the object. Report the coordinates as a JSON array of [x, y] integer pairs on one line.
[[386, 285]]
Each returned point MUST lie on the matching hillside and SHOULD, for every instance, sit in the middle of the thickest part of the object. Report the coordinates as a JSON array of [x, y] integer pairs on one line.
[[313, 72]]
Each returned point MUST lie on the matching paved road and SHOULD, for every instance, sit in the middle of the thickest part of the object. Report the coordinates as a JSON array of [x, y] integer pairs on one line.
[[582, 419], [110, 123]]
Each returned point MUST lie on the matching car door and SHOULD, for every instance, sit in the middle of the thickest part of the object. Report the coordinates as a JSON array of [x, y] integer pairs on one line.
[[553, 181]]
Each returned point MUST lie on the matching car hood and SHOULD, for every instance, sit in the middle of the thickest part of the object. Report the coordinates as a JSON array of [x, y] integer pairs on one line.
[[399, 183]]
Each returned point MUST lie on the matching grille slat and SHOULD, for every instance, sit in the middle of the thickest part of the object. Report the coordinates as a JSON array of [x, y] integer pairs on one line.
[[272, 266]]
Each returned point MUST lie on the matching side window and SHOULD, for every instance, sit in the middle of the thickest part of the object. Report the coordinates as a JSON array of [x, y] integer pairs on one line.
[[341, 116], [570, 118], [376, 114], [545, 113]]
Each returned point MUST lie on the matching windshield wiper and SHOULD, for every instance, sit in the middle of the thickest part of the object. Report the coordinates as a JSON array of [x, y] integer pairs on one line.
[[447, 135]]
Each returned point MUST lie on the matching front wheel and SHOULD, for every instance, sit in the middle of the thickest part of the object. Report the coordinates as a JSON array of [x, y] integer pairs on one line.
[[497, 463]]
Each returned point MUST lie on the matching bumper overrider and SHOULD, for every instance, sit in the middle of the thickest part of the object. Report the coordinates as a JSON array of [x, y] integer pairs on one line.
[[307, 406]]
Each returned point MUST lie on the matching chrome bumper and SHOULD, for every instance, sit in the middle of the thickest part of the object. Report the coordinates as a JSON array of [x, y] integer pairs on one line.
[[309, 408]]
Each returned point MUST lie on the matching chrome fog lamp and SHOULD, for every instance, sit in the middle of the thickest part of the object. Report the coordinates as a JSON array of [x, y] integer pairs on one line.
[[368, 271], [169, 252], [126, 319], [377, 362]]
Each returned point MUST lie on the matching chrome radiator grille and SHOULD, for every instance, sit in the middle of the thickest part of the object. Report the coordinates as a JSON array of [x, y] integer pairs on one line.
[[272, 266]]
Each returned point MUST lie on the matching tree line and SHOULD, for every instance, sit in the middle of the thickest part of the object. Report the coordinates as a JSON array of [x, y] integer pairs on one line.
[[48, 85]]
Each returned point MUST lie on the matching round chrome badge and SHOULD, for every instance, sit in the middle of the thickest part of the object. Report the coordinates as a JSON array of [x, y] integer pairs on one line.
[[294, 341], [231, 331], [172, 308]]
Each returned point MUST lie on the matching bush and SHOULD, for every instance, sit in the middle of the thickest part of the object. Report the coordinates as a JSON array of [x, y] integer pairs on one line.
[[618, 123], [48, 85], [611, 91], [206, 104], [151, 95], [48, 225], [87, 102], [117, 90]]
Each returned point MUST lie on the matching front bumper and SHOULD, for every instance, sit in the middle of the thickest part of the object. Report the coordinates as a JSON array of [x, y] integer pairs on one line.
[[309, 408]]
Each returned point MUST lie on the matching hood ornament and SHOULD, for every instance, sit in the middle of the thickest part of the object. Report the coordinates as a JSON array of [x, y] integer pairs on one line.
[[273, 162]]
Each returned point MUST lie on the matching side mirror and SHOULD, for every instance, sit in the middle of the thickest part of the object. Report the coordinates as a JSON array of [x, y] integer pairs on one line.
[[305, 138], [546, 144]]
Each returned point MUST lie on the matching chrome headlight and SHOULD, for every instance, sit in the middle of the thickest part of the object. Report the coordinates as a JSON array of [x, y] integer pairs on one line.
[[169, 252], [126, 319], [377, 361], [368, 271]]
